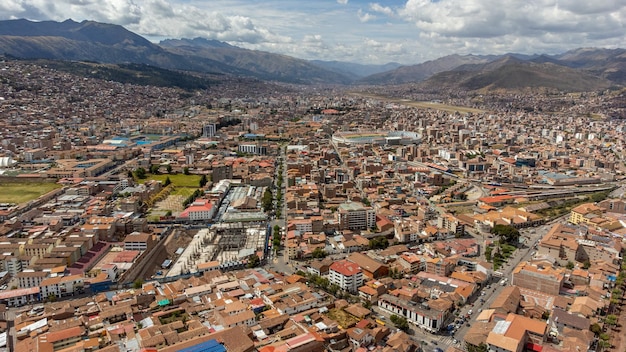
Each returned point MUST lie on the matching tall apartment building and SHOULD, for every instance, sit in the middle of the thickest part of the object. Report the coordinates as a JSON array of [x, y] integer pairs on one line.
[[209, 130], [450, 223], [346, 275], [253, 149], [356, 216], [222, 172], [584, 213]]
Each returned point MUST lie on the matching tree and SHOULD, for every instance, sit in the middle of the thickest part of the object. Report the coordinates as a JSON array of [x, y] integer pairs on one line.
[[507, 233], [595, 328], [253, 261], [379, 242], [203, 181], [545, 315], [168, 213], [333, 289], [154, 169], [167, 181], [186, 170], [394, 273], [140, 173], [267, 200], [611, 319], [318, 253], [399, 322], [138, 284], [488, 253], [570, 265], [604, 344], [586, 264], [130, 174], [169, 169], [480, 348]]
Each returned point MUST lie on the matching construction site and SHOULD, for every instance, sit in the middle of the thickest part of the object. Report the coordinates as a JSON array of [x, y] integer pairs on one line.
[[228, 244]]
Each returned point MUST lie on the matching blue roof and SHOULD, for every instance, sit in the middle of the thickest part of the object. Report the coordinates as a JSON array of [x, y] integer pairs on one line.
[[208, 346]]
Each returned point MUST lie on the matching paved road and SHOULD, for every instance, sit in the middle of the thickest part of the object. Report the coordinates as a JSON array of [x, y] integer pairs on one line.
[[520, 255], [479, 302]]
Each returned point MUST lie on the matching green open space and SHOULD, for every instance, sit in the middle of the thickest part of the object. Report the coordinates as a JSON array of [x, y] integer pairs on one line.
[[566, 205], [22, 192], [183, 191], [504, 253], [178, 180]]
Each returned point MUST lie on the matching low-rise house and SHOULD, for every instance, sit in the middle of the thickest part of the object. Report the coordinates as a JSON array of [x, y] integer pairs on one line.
[[371, 268], [429, 315]]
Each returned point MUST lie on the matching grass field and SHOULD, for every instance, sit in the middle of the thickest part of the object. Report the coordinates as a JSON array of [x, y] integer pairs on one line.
[[422, 104], [178, 180], [19, 193], [183, 191]]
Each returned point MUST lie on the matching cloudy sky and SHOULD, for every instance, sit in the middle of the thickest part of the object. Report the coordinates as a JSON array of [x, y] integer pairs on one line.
[[404, 31]]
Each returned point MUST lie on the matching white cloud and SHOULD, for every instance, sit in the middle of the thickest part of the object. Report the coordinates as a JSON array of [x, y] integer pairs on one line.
[[376, 7], [364, 16], [153, 18], [407, 31], [497, 18]]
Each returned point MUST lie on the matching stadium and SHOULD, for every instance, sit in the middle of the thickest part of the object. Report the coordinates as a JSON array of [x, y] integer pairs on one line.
[[377, 137]]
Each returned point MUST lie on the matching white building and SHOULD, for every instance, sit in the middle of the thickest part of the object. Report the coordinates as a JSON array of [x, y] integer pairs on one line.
[[20, 296], [199, 210], [423, 315], [61, 286], [138, 241], [347, 275]]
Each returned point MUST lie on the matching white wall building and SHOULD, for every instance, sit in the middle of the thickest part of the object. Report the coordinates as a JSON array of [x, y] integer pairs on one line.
[[347, 275]]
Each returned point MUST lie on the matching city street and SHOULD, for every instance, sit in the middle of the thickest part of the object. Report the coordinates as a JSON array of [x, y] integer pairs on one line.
[[522, 254], [491, 291]]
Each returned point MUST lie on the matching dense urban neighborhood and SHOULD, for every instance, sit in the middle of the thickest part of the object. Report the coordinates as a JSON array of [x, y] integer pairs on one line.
[[271, 217]]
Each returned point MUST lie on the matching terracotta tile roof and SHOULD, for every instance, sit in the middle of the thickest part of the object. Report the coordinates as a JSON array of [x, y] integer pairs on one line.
[[345, 268], [65, 334]]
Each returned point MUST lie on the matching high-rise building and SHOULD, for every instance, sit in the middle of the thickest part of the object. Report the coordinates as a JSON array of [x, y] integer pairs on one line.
[[356, 216], [209, 130], [346, 275]]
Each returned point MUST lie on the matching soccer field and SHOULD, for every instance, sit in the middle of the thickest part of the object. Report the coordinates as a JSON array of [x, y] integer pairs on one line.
[[19, 193]]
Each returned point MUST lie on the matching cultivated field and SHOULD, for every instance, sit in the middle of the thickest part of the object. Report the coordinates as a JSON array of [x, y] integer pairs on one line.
[[18, 193]]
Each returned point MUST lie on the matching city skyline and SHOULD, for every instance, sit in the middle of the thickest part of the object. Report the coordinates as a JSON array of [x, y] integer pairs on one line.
[[407, 32]]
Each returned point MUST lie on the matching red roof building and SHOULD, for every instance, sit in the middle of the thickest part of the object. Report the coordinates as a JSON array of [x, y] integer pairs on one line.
[[347, 275]]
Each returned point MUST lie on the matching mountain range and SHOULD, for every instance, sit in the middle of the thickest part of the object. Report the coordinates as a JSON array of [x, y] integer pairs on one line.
[[575, 70]]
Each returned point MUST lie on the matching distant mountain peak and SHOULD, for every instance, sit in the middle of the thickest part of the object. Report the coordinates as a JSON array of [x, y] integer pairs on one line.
[[195, 42]]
